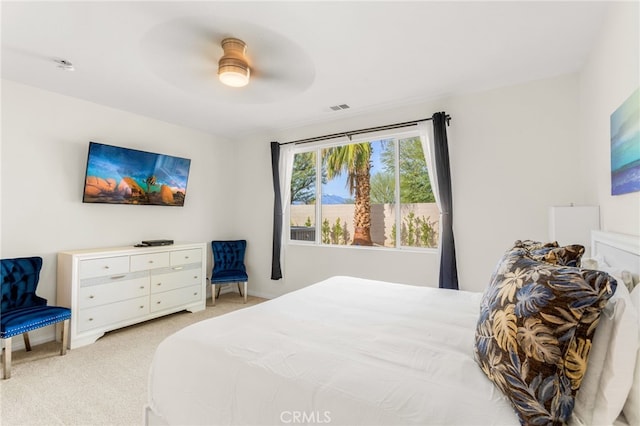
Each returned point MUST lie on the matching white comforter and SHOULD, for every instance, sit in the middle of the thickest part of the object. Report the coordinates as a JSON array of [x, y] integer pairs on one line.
[[345, 351]]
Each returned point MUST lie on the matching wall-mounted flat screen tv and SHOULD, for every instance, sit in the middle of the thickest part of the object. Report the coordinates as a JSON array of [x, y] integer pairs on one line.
[[118, 175]]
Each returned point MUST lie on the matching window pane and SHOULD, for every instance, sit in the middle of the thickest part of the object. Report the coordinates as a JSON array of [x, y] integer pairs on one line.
[[338, 204], [358, 195], [303, 197], [418, 209], [383, 192]]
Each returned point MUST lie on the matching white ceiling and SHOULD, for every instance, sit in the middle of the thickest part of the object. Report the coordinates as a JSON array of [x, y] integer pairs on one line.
[[159, 59]]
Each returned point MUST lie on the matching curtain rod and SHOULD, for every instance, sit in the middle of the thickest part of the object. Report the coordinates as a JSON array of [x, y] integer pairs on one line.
[[361, 131]]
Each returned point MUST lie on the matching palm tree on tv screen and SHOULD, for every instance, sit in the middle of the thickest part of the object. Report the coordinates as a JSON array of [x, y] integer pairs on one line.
[[150, 181], [355, 161]]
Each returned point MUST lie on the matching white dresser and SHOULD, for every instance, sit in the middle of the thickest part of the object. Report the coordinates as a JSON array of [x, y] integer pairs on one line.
[[110, 288]]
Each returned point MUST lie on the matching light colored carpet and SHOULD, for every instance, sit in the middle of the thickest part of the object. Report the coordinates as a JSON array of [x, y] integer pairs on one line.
[[100, 384]]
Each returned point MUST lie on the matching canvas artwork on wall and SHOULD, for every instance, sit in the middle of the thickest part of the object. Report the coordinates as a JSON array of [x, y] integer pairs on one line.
[[625, 146]]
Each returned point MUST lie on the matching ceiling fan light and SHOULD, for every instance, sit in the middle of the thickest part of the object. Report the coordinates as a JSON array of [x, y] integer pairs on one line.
[[234, 74], [233, 69]]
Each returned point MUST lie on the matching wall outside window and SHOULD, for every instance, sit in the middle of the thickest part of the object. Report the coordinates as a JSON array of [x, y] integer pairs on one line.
[[383, 218]]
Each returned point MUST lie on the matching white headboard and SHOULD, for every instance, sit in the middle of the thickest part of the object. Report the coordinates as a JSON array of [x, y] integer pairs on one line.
[[618, 250]]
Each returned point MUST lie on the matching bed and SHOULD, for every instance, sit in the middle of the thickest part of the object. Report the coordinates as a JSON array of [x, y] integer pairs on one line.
[[344, 351]]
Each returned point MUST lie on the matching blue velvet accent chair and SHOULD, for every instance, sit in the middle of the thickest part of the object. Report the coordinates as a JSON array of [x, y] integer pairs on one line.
[[21, 310], [228, 266]]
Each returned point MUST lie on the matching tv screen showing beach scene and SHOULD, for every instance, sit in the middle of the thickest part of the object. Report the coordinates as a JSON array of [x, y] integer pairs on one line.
[[117, 175]]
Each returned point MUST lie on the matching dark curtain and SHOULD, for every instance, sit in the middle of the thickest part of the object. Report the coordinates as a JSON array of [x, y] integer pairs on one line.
[[448, 268], [276, 270]]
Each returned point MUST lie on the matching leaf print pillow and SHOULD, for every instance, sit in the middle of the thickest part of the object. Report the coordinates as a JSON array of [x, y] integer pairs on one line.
[[534, 331], [566, 256], [530, 245], [570, 255]]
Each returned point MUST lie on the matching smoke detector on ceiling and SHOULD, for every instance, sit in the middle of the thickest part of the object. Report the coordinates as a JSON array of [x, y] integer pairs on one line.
[[64, 64]]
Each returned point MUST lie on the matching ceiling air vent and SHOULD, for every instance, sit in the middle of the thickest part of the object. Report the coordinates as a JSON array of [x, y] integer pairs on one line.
[[339, 107]]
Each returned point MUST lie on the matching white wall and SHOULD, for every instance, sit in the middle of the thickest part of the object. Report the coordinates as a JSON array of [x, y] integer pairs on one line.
[[610, 76], [45, 138], [513, 150], [512, 156]]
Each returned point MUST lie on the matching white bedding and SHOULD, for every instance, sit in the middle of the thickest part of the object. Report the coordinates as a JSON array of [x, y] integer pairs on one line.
[[345, 351]]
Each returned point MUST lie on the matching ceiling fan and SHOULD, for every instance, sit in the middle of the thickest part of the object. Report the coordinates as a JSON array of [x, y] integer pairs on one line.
[[188, 52]]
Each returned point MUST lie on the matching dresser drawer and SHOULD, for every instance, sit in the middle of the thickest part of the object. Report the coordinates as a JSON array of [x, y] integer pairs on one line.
[[105, 266], [143, 262], [182, 296], [113, 313], [176, 277], [183, 257], [120, 287]]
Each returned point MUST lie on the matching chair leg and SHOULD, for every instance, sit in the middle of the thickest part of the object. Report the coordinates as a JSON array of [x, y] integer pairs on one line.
[[6, 358], [65, 337], [27, 343], [213, 294]]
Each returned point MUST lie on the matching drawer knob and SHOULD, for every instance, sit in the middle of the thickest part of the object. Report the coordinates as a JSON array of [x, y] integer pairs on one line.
[[159, 284], [141, 306], [106, 266], [158, 302], [91, 297], [90, 319], [151, 261], [195, 277], [186, 257], [195, 294], [141, 287]]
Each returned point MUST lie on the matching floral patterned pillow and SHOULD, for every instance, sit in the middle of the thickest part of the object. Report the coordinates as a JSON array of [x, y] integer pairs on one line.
[[534, 245], [552, 253], [534, 333], [564, 256]]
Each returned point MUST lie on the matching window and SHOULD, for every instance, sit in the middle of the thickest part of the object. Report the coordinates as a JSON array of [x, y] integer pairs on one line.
[[372, 193]]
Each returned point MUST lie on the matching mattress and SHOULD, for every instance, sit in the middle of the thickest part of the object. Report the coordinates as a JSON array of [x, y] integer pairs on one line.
[[345, 351]]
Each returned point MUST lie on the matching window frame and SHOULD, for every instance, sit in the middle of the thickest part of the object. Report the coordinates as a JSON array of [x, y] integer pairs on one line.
[[396, 135]]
